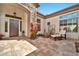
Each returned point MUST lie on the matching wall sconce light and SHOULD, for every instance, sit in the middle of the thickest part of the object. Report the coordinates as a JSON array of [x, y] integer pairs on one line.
[[14, 13]]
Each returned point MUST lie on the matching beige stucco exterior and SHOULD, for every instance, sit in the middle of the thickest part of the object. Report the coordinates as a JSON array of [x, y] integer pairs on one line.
[[54, 24], [55, 21], [72, 35], [20, 12], [29, 14], [42, 25]]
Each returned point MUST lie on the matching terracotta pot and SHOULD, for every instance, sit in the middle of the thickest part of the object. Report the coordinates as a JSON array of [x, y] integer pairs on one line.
[[46, 34]]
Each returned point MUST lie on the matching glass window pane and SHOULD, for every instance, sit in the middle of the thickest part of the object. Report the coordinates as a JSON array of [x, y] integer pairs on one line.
[[21, 26], [6, 26]]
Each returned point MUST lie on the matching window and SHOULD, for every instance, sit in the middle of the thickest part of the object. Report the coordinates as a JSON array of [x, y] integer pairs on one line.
[[39, 24], [6, 26], [38, 20], [72, 28], [39, 27], [21, 26], [63, 22], [75, 29]]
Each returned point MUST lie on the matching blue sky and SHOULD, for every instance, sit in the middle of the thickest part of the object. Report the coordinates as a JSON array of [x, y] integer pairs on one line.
[[48, 8]]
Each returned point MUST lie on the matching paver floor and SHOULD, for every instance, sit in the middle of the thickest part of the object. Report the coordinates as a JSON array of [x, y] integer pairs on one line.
[[49, 47], [15, 48]]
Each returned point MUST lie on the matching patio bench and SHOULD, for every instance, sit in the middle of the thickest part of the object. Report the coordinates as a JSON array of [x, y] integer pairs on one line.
[[59, 36], [63, 36], [55, 36]]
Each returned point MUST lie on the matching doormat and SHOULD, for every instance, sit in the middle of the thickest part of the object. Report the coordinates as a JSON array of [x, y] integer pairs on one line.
[[15, 48]]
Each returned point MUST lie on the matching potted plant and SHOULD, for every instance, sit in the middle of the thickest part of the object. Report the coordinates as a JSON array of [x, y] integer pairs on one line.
[[1, 35], [46, 34], [23, 33], [34, 31]]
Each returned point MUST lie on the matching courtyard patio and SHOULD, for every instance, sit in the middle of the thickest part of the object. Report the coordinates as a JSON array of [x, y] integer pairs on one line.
[[40, 47]]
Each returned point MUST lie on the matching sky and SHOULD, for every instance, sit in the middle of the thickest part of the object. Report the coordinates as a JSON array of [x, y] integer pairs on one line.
[[48, 8]]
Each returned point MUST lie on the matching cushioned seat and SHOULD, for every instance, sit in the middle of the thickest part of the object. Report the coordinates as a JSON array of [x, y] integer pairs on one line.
[[60, 35]]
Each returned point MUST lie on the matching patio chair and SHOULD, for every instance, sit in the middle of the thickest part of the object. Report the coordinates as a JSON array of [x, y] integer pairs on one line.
[[63, 34], [59, 36], [56, 36]]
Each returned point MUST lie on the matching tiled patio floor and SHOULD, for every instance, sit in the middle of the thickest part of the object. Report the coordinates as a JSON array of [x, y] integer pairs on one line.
[[49, 47], [15, 48]]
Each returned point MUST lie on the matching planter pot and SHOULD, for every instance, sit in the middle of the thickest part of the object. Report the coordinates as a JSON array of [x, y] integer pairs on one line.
[[1, 36], [46, 34]]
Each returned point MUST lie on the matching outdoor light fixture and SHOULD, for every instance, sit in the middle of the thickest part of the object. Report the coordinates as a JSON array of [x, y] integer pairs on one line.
[[14, 13]]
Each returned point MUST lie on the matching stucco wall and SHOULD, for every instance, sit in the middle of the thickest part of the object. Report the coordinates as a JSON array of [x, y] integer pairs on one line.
[[42, 23], [72, 35], [54, 22], [10, 9]]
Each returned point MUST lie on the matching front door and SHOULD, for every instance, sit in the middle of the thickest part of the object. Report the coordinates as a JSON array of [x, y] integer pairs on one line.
[[14, 28]]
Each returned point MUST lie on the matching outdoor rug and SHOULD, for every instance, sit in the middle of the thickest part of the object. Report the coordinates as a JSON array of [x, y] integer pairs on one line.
[[15, 48]]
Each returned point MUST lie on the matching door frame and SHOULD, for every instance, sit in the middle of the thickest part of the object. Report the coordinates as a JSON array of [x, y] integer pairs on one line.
[[10, 28]]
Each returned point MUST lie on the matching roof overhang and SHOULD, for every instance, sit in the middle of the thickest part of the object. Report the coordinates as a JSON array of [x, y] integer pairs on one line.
[[36, 5]]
